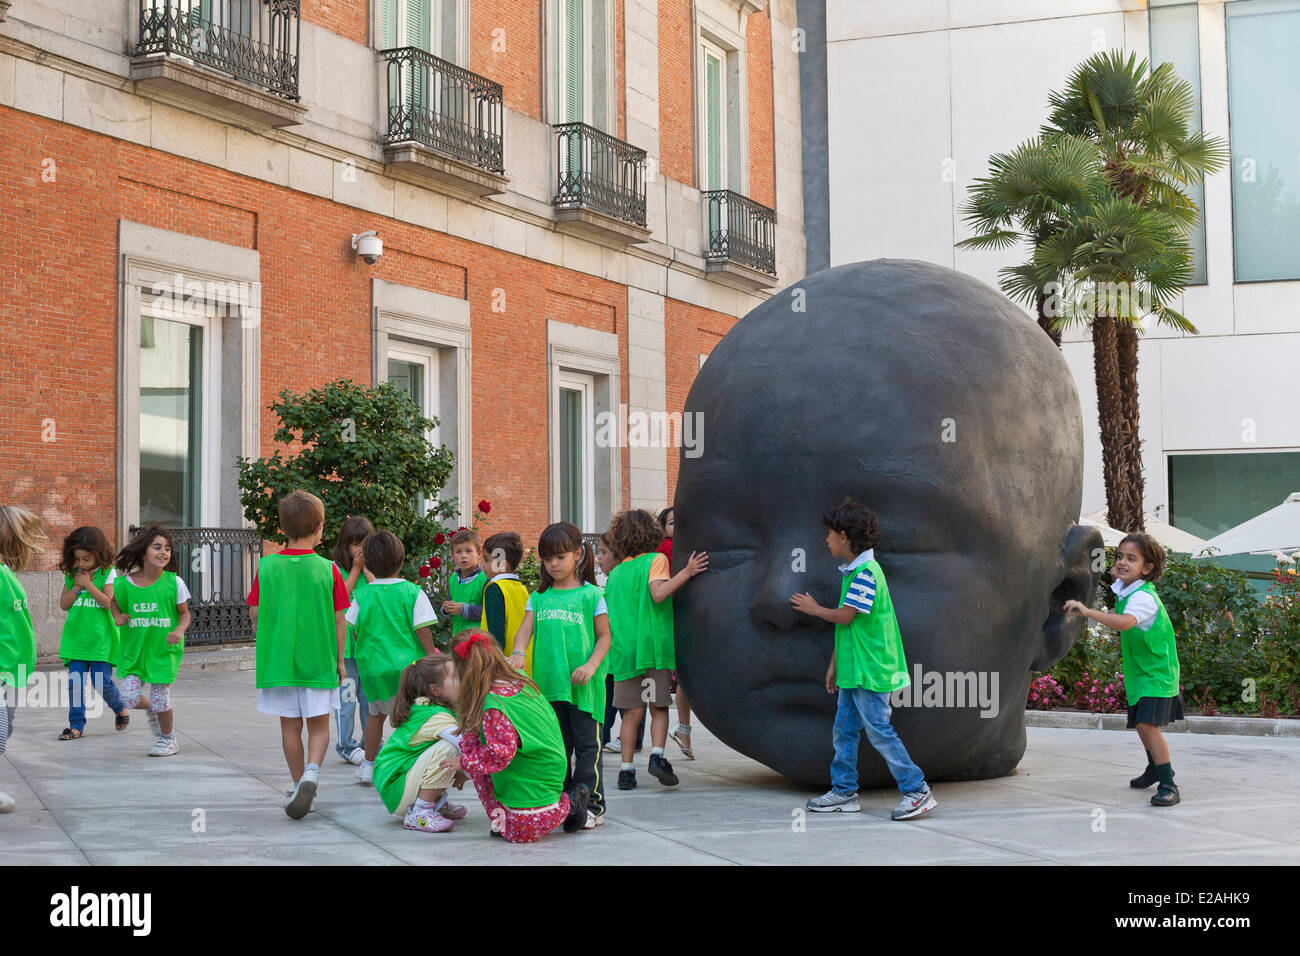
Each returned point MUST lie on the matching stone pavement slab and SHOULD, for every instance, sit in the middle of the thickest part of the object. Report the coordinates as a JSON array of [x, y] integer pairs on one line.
[[100, 800]]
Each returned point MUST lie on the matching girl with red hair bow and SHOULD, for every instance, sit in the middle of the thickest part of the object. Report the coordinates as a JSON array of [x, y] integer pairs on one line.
[[510, 743]]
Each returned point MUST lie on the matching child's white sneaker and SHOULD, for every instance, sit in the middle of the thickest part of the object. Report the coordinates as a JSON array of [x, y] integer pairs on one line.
[[165, 747], [366, 774], [300, 798], [355, 756], [426, 820], [7, 803]]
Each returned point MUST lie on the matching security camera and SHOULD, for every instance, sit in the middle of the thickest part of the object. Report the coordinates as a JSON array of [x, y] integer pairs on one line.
[[368, 246]]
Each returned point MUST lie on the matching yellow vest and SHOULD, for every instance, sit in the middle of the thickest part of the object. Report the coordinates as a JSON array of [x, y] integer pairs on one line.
[[514, 596]]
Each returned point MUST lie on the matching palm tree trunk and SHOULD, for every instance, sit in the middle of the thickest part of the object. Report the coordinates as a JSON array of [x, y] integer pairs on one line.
[[1126, 353], [1111, 423], [1045, 322]]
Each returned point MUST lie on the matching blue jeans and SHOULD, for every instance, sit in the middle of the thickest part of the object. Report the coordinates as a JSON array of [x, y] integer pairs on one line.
[[861, 709], [97, 674], [344, 716]]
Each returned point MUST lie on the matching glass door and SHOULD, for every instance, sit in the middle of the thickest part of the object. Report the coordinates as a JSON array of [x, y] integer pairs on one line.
[[176, 364], [576, 450], [414, 370]]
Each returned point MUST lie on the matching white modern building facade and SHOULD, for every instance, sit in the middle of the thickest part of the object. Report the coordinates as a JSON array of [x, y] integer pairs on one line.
[[919, 93]]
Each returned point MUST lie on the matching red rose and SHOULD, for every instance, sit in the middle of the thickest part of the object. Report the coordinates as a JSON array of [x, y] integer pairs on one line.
[[462, 528], [485, 506], [424, 571], [435, 562], [439, 538]]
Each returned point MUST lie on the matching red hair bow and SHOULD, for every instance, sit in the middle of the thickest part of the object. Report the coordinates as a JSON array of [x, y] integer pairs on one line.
[[463, 648]]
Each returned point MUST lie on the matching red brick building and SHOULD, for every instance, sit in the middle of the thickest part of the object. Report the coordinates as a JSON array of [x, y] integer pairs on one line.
[[576, 200]]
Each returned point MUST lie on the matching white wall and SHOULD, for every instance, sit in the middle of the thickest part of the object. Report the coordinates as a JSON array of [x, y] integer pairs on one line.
[[921, 92]]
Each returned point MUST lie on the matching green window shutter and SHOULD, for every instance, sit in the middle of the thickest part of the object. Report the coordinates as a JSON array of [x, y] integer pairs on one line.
[[713, 121], [389, 20], [573, 62], [417, 24]]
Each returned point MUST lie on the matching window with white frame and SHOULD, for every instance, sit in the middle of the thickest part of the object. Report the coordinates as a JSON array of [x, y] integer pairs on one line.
[[414, 370], [436, 26], [584, 436], [582, 55], [720, 108]]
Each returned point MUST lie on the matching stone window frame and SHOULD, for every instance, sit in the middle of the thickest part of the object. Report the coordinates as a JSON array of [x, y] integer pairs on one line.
[[574, 348], [150, 260], [414, 316], [709, 27]]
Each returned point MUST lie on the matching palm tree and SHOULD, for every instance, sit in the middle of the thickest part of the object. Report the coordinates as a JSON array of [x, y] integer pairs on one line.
[[1139, 125], [1030, 194]]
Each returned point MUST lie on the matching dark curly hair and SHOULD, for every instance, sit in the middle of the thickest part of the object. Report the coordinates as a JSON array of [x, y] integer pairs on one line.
[[1151, 550], [89, 539], [634, 532], [856, 520]]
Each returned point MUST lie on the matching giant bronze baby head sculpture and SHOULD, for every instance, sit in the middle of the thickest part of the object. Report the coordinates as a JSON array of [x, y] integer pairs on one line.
[[932, 399]]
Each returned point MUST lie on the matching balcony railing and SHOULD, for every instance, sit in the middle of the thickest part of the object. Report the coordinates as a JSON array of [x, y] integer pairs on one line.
[[444, 107], [599, 172], [217, 565], [255, 41], [740, 230]]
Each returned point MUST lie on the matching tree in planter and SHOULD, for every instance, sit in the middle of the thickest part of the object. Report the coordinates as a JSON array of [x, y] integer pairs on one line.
[[361, 449]]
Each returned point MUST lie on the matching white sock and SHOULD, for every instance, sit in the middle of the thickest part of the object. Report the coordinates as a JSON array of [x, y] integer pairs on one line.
[[627, 766], [656, 750], [423, 804]]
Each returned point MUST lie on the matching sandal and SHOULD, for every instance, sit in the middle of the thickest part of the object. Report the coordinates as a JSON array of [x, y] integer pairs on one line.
[[120, 722], [70, 734], [683, 740]]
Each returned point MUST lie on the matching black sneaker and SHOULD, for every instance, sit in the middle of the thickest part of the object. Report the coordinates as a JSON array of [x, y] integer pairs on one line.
[[627, 780], [577, 817], [661, 770], [1148, 777], [1166, 795]]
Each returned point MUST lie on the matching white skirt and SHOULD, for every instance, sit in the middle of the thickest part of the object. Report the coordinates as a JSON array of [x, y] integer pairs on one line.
[[297, 701]]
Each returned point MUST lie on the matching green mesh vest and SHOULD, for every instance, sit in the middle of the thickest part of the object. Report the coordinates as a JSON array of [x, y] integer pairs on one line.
[[146, 654], [398, 755], [89, 633], [1150, 657], [386, 640], [535, 777], [297, 643], [564, 635], [642, 631], [869, 649], [17, 636], [470, 592]]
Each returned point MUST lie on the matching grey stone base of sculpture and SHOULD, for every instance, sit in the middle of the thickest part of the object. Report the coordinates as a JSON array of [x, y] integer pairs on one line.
[[932, 399]]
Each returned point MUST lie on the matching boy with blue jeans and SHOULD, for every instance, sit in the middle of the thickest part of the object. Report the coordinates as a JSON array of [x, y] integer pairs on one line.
[[866, 666]]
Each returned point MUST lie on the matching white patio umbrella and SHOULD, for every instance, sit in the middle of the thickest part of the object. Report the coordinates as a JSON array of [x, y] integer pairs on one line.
[[1277, 529], [1174, 539]]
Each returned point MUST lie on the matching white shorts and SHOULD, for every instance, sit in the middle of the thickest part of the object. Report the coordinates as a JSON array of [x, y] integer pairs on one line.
[[297, 701]]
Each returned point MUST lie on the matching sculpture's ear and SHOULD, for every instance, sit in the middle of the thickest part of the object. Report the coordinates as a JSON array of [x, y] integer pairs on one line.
[[1082, 560]]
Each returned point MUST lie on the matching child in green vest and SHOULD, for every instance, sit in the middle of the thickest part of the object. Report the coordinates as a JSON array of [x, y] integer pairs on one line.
[[466, 582], [607, 561], [409, 772], [152, 608], [91, 644], [1149, 655], [352, 564], [297, 604], [566, 616], [638, 593], [393, 620], [511, 745], [867, 665], [21, 536], [504, 595]]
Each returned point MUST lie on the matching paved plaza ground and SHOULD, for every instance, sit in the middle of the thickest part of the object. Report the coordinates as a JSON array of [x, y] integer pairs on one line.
[[100, 800]]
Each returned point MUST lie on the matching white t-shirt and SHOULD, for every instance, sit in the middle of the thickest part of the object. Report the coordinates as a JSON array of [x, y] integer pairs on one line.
[[182, 591], [421, 616], [1141, 605]]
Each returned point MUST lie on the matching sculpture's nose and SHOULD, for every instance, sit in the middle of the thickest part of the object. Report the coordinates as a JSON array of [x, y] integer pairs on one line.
[[771, 607]]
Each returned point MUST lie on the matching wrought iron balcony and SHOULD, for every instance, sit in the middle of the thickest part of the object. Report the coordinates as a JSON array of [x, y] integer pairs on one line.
[[217, 565], [444, 107], [600, 173], [740, 231], [254, 41]]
